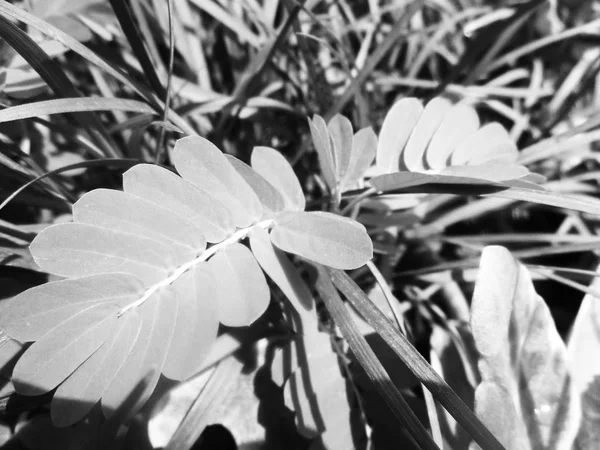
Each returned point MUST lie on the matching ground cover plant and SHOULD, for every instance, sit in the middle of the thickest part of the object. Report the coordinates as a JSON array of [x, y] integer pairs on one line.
[[285, 224]]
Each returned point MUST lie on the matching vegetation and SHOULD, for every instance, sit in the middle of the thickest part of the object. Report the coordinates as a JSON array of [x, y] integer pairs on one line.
[[318, 224]]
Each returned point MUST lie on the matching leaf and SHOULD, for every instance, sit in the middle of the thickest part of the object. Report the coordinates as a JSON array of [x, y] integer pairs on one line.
[[274, 168], [57, 354], [488, 171], [121, 211], [583, 347], [196, 324], [526, 395], [364, 148], [490, 143], [89, 382], [324, 238], [271, 200], [167, 190], [35, 312], [325, 151], [395, 132], [423, 132], [243, 294], [340, 130], [201, 163], [77, 250]]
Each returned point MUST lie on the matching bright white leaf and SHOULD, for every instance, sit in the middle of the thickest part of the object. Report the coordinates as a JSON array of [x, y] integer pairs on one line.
[[458, 123], [324, 146], [242, 292], [196, 323], [426, 127], [274, 168], [169, 191], [340, 130], [57, 354], [270, 198], [120, 211], [397, 127], [77, 250], [35, 312], [526, 396], [198, 161], [324, 238], [489, 171], [364, 148], [490, 142], [83, 388]]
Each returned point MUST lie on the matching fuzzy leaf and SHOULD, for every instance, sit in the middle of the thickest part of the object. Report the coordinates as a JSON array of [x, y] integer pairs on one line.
[[340, 130], [167, 190], [201, 163], [526, 395], [325, 151], [395, 131], [196, 323], [57, 354], [243, 294], [364, 148], [324, 238], [274, 168], [270, 198]]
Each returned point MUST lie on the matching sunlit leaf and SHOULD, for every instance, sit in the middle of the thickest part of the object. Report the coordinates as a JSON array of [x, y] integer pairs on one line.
[[490, 143], [201, 163], [270, 198], [526, 395], [324, 238], [325, 151], [196, 323], [364, 148], [243, 294], [340, 130], [488, 171], [274, 168], [395, 131], [167, 190]]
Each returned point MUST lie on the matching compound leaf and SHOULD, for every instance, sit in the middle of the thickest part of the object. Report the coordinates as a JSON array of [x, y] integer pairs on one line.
[[270, 198], [57, 354], [274, 168], [243, 293], [167, 190], [198, 161], [324, 238]]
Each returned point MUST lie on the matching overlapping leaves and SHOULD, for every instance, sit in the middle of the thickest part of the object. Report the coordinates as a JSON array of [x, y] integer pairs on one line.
[[153, 269]]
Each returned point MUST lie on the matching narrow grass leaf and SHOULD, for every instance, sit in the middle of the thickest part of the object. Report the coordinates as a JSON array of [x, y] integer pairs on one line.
[[121, 211], [201, 163], [526, 396], [364, 149], [324, 238], [525, 194], [415, 361], [72, 105], [77, 250], [242, 293], [395, 131], [35, 312], [57, 354], [489, 171], [271, 200], [196, 323], [274, 168], [82, 390], [167, 190]]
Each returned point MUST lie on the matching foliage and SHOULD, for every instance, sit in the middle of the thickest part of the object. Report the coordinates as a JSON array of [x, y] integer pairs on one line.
[[134, 251]]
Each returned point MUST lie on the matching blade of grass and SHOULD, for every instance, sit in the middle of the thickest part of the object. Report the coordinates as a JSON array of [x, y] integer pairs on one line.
[[71, 105], [58, 81], [415, 362], [369, 362], [123, 12], [161, 138]]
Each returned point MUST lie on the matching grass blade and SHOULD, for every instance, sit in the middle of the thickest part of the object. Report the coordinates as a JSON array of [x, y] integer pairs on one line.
[[413, 359]]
